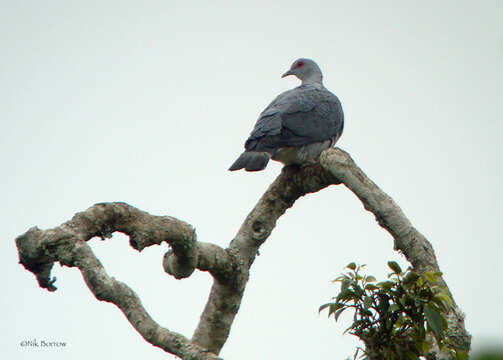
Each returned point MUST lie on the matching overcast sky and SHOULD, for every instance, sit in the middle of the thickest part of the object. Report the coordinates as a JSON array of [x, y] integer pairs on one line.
[[150, 102]]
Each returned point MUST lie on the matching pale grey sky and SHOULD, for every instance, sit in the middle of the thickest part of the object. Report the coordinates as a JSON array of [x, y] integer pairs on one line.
[[149, 103]]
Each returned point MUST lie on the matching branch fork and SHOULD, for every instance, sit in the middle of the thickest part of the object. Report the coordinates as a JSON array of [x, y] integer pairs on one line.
[[229, 267]]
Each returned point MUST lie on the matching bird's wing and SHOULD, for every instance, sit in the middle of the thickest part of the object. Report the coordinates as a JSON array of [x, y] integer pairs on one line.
[[297, 117]]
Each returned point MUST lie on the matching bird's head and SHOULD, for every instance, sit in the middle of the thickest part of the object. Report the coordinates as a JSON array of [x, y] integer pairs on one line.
[[306, 70]]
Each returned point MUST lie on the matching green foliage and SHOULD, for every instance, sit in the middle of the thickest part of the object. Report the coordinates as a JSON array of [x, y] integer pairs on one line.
[[393, 317]]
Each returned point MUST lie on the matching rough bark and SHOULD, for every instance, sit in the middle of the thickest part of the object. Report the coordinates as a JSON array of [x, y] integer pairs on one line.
[[225, 298], [410, 242], [66, 244]]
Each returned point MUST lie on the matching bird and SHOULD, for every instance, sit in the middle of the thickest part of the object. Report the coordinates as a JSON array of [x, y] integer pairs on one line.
[[297, 125]]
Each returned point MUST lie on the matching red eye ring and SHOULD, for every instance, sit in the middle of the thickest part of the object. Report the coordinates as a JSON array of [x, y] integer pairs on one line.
[[299, 64]]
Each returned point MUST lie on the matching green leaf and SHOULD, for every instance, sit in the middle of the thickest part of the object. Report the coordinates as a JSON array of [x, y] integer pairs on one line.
[[339, 312], [445, 297], [432, 276], [394, 307], [410, 278], [434, 320], [346, 295], [371, 287], [324, 306], [370, 278], [331, 309], [443, 300], [406, 300], [351, 266], [345, 285], [385, 284], [340, 278], [334, 307], [367, 301], [443, 307], [358, 292], [393, 265]]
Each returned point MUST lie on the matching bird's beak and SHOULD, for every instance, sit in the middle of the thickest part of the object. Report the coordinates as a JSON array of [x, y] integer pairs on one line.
[[289, 72]]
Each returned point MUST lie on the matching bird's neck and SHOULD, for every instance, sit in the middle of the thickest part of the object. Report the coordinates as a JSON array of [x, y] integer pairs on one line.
[[313, 79], [316, 83]]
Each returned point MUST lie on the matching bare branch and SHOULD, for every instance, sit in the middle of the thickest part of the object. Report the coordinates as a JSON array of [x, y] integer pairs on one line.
[[388, 214], [416, 248], [72, 250], [210, 257], [143, 230], [38, 250], [291, 184], [225, 299], [66, 244]]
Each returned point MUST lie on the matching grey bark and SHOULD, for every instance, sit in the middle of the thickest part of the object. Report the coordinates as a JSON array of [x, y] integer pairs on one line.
[[67, 244], [407, 240]]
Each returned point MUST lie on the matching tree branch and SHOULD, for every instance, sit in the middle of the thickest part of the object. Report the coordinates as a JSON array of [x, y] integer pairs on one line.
[[225, 298], [73, 251], [38, 250], [210, 257], [66, 244], [414, 245], [143, 230]]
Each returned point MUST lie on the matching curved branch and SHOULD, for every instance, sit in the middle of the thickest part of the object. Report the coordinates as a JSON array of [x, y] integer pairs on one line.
[[72, 250], [225, 298], [38, 250], [66, 244], [210, 257], [143, 230], [414, 245], [408, 240]]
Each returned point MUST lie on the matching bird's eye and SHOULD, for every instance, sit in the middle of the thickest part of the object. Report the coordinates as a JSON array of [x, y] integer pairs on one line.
[[299, 64]]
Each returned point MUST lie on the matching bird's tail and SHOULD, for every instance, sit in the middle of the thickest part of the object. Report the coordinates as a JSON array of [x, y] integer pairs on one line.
[[251, 161]]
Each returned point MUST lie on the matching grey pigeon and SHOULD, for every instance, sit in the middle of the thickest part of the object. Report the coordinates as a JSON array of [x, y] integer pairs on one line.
[[297, 126]]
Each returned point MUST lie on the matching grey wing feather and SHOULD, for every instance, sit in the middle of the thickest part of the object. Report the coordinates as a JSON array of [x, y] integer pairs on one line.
[[323, 121], [297, 117]]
